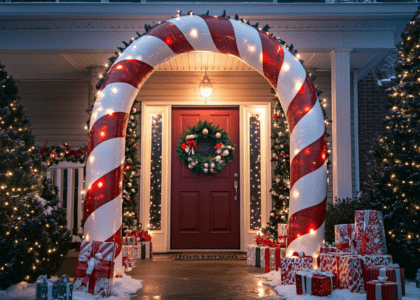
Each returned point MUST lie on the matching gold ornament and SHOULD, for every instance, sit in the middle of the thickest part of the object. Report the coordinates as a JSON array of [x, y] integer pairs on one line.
[[205, 131], [233, 148], [229, 147], [211, 170], [218, 135]]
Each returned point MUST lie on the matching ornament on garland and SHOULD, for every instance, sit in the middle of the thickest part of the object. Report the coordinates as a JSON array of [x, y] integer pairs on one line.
[[205, 149]]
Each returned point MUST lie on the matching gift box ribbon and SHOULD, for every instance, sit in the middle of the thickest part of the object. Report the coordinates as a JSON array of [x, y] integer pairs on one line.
[[396, 267], [378, 289], [298, 254], [307, 279]]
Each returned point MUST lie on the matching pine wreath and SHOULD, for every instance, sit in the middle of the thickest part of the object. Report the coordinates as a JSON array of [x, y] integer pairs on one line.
[[205, 149]]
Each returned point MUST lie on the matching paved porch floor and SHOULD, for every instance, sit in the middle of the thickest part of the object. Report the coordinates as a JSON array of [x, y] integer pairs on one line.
[[166, 278]]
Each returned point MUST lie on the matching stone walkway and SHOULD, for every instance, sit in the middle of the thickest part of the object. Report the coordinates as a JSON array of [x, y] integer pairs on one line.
[[166, 278]]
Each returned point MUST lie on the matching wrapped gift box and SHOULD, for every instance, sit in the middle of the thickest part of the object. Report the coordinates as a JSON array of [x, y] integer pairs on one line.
[[144, 250], [328, 249], [131, 240], [95, 268], [345, 237], [387, 290], [282, 233], [370, 232], [349, 273], [393, 272], [129, 252], [54, 289], [265, 257], [315, 282], [290, 265]]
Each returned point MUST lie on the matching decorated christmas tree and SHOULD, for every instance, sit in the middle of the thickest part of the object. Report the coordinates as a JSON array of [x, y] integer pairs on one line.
[[33, 235], [394, 169]]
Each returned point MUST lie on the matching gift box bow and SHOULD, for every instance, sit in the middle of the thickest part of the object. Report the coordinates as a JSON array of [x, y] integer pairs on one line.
[[309, 274], [396, 267], [298, 254]]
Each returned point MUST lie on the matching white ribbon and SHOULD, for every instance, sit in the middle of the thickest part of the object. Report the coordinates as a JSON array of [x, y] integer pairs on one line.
[[50, 289], [307, 274], [92, 262], [396, 267], [366, 220]]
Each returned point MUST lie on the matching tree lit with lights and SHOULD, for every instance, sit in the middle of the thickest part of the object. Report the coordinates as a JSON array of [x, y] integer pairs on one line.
[[33, 235], [394, 169]]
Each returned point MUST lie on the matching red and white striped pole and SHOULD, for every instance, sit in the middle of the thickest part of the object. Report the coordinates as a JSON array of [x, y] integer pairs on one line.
[[103, 212]]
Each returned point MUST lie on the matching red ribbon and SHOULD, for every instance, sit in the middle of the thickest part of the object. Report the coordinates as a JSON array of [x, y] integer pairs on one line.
[[218, 145], [189, 144]]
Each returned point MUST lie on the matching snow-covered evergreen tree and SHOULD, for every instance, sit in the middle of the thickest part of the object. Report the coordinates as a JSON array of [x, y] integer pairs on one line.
[[33, 235], [394, 168]]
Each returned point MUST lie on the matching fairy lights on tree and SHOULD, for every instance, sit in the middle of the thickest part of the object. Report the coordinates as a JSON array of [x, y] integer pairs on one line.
[[33, 234], [394, 168]]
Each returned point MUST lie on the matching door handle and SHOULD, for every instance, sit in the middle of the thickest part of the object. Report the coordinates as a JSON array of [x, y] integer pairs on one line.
[[235, 184]]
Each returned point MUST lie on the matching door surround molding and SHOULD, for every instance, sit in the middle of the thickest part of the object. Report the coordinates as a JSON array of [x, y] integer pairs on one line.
[[161, 238]]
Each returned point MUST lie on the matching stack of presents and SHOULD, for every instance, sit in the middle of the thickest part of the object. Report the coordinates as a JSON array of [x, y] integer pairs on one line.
[[359, 261], [95, 268]]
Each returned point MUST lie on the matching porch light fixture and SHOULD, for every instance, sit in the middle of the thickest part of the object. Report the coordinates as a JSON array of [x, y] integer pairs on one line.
[[206, 87]]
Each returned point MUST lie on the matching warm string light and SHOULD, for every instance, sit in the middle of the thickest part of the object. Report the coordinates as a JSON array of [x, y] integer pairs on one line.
[[255, 170], [156, 173]]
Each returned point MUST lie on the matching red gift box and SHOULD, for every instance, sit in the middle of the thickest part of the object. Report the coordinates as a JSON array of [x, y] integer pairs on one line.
[[290, 265], [370, 232], [393, 272], [387, 290], [345, 237], [95, 268], [129, 253], [328, 249], [272, 258], [282, 234], [315, 282], [349, 273]]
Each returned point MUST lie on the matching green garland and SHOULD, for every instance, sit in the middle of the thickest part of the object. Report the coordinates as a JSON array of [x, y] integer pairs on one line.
[[219, 140]]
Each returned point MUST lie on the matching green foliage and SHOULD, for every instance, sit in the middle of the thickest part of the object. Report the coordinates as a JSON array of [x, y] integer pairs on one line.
[[394, 168], [216, 160], [33, 234]]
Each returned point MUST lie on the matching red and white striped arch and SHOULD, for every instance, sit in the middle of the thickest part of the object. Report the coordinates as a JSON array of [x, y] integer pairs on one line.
[[220, 35]]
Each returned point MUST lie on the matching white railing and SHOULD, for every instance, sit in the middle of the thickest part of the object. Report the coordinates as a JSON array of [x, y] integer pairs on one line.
[[68, 177]]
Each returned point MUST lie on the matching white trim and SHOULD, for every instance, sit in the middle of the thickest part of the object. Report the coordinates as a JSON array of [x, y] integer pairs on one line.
[[161, 238], [356, 130]]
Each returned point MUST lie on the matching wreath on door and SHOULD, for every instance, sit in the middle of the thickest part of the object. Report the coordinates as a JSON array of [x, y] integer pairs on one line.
[[205, 149]]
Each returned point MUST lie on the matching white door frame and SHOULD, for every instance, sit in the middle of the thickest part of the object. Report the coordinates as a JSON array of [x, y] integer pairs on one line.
[[161, 238]]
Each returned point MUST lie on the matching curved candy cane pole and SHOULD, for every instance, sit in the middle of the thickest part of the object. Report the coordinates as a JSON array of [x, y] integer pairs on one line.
[[105, 164]]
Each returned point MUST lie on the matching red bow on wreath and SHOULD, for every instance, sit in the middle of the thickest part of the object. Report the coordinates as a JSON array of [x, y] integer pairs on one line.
[[191, 145], [218, 145]]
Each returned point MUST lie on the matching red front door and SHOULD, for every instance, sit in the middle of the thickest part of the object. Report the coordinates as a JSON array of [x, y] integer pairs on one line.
[[204, 212]]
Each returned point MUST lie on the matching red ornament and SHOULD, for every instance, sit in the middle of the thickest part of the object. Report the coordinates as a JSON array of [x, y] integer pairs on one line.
[[276, 217], [280, 188], [127, 135], [127, 167], [132, 140], [282, 152], [137, 145], [221, 155], [98, 86], [277, 158], [287, 155], [285, 144], [278, 206], [125, 180]]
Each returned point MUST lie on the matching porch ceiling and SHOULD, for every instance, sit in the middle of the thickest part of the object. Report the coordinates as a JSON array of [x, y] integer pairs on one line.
[[61, 40]]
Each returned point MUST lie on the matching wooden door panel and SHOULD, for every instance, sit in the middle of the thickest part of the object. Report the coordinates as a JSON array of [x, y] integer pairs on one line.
[[190, 206], [204, 214], [220, 211]]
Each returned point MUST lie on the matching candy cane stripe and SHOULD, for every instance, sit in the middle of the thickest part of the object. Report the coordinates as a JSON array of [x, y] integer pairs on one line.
[[223, 34], [196, 32], [302, 222], [116, 238], [103, 191], [303, 102], [131, 71], [272, 56], [308, 160], [109, 127], [172, 36]]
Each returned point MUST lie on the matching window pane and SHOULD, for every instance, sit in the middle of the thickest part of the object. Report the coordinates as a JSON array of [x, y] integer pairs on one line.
[[255, 170], [156, 173]]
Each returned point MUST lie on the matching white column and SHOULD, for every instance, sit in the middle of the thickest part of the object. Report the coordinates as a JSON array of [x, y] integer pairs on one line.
[[341, 122], [70, 199]]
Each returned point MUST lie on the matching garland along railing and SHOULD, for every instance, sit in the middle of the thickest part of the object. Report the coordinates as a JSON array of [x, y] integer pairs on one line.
[[205, 2]]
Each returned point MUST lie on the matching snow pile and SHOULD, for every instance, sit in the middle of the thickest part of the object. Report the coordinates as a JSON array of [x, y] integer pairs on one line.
[[121, 290], [289, 291]]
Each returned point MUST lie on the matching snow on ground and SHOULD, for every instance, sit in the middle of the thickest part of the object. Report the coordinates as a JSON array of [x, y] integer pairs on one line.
[[121, 290], [289, 291]]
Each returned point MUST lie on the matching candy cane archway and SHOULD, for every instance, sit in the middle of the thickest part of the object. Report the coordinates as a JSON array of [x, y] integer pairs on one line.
[[105, 165]]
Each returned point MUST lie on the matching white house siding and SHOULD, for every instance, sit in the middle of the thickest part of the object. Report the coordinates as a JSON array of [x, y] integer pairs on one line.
[[57, 110]]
